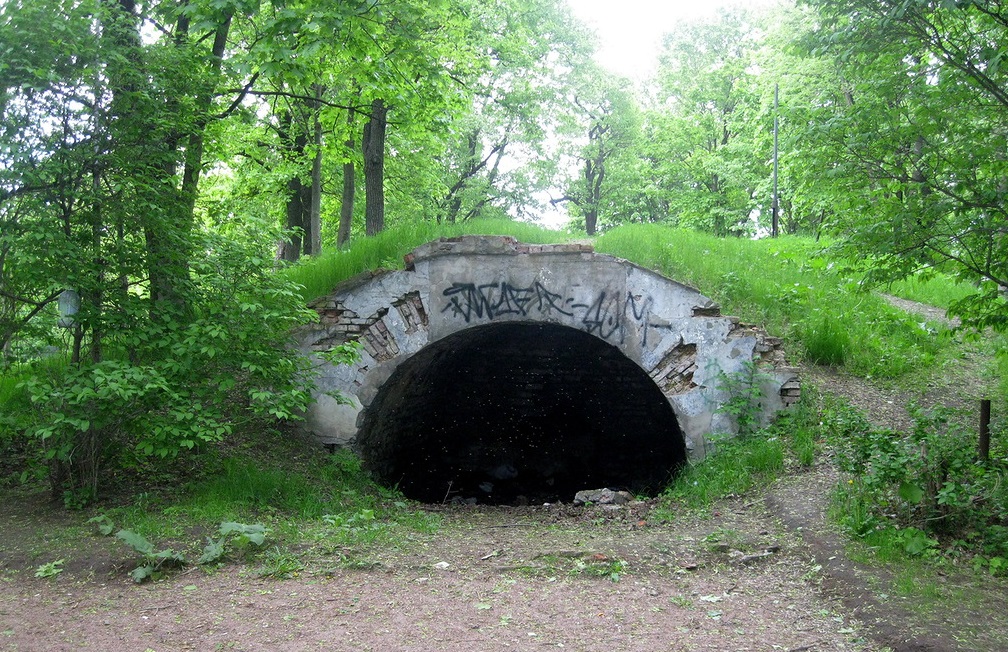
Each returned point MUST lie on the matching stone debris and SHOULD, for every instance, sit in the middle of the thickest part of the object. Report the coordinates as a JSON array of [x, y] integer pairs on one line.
[[602, 497]]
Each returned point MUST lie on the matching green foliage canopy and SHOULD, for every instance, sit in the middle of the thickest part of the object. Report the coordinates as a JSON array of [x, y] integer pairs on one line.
[[921, 140]]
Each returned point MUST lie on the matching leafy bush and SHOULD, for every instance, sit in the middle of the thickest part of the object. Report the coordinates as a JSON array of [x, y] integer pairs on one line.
[[176, 380], [919, 486]]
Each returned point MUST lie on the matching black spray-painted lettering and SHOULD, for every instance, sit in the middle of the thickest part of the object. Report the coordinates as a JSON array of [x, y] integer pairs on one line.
[[607, 317], [471, 301]]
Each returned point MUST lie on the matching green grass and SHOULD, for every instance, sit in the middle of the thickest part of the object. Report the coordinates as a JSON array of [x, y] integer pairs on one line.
[[735, 467], [329, 504], [935, 290], [12, 403], [784, 285], [13, 397], [386, 250], [248, 489], [8, 388], [326, 503]]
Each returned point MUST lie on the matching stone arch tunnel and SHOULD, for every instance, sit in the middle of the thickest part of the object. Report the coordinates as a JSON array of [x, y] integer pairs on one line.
[[521, 409], [502, 372]]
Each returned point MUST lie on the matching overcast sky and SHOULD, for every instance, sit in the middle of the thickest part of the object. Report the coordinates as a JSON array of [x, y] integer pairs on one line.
[[630, 31]]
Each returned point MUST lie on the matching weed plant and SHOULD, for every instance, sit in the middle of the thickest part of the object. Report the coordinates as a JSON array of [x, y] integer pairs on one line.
[[922, 493], [744, 390]]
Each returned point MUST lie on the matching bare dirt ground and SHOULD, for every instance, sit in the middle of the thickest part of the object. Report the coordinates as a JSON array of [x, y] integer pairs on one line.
[[491, 578], [763, 572]]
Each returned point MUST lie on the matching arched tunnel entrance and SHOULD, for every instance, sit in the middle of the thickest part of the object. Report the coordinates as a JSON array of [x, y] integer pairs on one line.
[[519, 411]]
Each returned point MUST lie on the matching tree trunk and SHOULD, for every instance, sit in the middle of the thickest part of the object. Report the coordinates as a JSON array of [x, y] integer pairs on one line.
[[347, 203], [167, 224], [373, 146], [591, 220], [298, 198], [594, 176], [472, 166], [94, 295], [349, 190], [170, 254], [305, 202], [290, 249], [314, 236], [314, 243], [204, 100], [125, 75]]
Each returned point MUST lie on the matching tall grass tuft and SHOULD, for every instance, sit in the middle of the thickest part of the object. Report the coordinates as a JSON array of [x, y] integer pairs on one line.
[[15, 404], [247, 487], [732, 469], [243, 489], [9, 392], [933, 289], [826, 341]]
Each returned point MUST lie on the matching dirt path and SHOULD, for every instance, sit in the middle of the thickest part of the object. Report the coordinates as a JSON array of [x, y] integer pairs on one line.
[[531, 578], [889, 620]]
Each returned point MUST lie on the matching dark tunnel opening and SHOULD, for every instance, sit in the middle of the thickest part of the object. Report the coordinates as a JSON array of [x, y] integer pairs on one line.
[[516, 412]]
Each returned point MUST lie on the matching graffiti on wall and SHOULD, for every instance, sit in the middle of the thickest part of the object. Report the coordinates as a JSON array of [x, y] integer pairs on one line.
[[607, 316]]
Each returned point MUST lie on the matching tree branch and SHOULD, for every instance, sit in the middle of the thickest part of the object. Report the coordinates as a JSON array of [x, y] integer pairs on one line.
[[239, 97], [365, 111]]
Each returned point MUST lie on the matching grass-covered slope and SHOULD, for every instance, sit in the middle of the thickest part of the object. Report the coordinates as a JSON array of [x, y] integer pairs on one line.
[[782, 284], [787, 287], [319, 275]]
